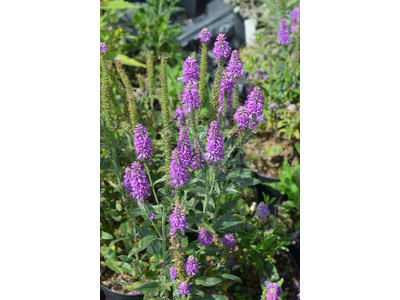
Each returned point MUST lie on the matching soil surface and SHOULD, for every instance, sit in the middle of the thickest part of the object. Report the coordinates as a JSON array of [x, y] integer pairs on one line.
[[116, 282], [266, 152]]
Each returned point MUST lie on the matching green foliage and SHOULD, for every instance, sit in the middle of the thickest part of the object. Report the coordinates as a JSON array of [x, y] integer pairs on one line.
[[155, 31], [219, 197]]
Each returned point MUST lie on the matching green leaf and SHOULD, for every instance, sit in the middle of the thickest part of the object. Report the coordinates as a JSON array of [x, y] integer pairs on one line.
[[228, 220], [213, 297], [162, 179], [230, 190], [297, 91], [143, 244], [119, 239], [125, 60], [240, 182], [118, 206], [191, 247], [113, 265], [125, 267], [232, 277], [118, 4], [208, 227], [280, 282], [197, 189], [287, 75], [196, 218], [271, 272], [233, 174], [297, 146], [166, 286], [274, 150], [257, 261], [208, 281], [105, 236], [146, 287]]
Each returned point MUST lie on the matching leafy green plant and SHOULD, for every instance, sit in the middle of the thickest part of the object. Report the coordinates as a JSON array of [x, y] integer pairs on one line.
[[164, 225], [289, 184], [155, 31]]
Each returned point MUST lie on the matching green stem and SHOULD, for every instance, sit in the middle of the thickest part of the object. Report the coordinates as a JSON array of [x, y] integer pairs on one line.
[[115, 163], [217, 206], [151, 183], [143, 209], [208, 195], [137, 255], [164, 238]]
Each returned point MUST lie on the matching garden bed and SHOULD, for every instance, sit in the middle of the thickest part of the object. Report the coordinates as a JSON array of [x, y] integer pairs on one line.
[[266, 152]]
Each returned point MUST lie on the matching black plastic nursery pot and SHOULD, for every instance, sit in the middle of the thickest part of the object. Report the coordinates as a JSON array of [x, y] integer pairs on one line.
[[111, 295], [261, 189], [296, 266]]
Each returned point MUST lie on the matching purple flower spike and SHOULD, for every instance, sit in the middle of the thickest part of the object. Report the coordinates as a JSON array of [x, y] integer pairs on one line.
[[274, 291], [152, 216], [103, 48], [178, 172], [205, 35], [221, 47], [235, 65], [197, 161], [295, 18], [192, 266], [179, 116], [184, 288], [173, 273], [177, 220], [253, 107], [284, 34], [215, 144], [135, 182], [190, 97], [226, 87], [117, 59], [262, 211], [143, 145], [229, 240], [190, 71], [185, 151], [241, 117], [205, 237]]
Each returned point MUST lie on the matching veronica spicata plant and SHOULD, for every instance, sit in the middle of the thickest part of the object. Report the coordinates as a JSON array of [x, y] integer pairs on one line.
[[176, 239]]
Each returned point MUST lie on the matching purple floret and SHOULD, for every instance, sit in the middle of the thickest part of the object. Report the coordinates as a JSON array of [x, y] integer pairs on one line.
[[143, 145], [205, 237], [135, 182], [178, 173], [192, 266], [215, 144], [103, 48], [229, 240], [184, 288], [235, 65], [262, 211], [221, 47], [173, 273], [284, 34], [190, 71], [177, 220], [205, 35]]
